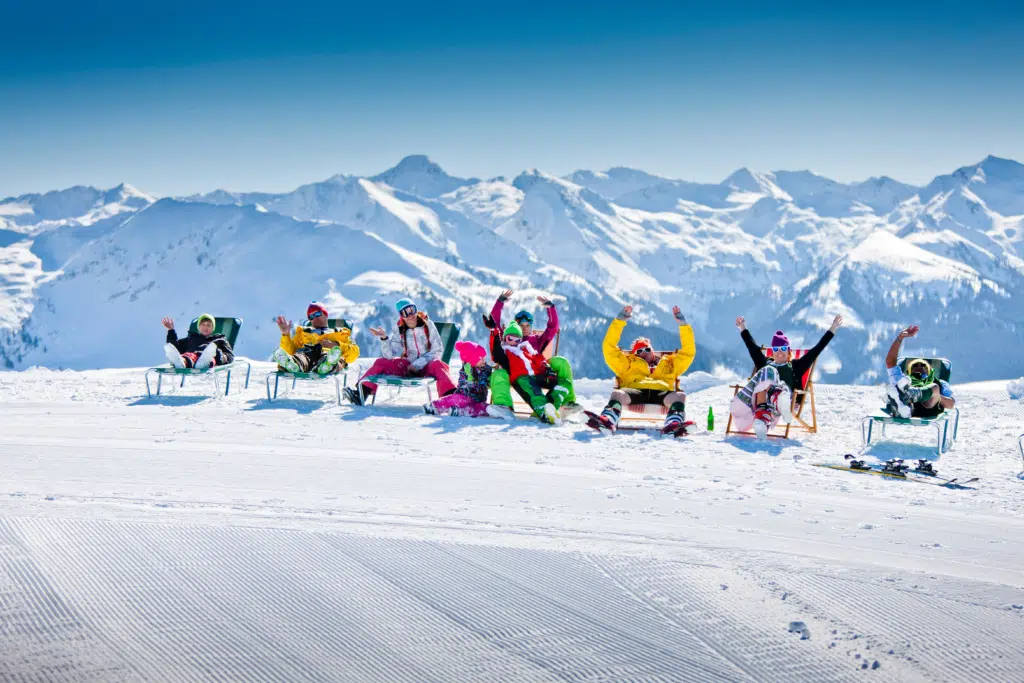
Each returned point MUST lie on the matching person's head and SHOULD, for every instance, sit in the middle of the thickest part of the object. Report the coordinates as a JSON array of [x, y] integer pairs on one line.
[[779, 349], [407, 312], [642, 348], [525, 320], [920, 372], [316, 313], [206, 324], [473, 354], [513, 335]]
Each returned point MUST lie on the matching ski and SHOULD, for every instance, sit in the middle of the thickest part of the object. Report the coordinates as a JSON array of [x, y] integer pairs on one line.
[[923, 473]]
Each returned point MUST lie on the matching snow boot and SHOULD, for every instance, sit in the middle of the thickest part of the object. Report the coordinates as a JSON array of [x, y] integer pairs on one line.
[[675, 421], [762, 421], [501, 412], [549, 415], [782, 403], [429, 409], [454, 411], [608, 420], [902, 397], [570, 409], [207, 357], [328, 362], [357, 396], [286, 361], [173, 357]]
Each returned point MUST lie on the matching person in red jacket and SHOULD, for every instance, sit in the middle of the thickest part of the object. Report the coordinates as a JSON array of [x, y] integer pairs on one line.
[[531, 374]]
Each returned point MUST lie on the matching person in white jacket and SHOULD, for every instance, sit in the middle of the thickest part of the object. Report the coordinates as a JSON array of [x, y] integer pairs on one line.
[[413, 349]]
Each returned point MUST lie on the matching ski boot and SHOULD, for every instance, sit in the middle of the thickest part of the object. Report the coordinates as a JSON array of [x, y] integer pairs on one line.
[[549, 415], [763, 418], [286, 361], [501, 412], [328, 362], [173, 357], [429, 409], [207, 357], [782, 404], [357, 397], [676, 425], [606, 422]]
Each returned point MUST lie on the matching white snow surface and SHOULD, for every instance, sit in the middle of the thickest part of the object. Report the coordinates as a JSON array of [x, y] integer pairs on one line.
[[192, 538], [786, 249]]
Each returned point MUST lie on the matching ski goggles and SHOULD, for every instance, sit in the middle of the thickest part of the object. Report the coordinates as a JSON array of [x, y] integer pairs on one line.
[[316, 314], [407, 311], [512, 340], [780, 349], [524, 317]]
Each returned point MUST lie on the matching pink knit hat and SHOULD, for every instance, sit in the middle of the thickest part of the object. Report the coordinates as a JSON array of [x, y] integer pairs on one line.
[[470, 353], [780, 339]]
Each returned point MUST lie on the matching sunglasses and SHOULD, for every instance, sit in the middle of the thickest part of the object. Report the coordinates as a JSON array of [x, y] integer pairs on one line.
[[408, 311], [316, 315], [645, 350], [778, 349], [512, 339]]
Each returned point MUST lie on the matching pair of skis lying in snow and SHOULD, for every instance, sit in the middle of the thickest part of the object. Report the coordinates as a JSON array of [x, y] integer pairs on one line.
[[922, 473]]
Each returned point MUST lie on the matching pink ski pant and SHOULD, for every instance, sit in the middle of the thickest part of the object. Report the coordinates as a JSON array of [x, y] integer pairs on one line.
[[464, 403], [399, 367]]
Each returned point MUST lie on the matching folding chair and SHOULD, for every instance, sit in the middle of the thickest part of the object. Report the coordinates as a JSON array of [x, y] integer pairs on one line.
[[230, 328], [295, 377], [946, 424], [449, 333], [802, 398]]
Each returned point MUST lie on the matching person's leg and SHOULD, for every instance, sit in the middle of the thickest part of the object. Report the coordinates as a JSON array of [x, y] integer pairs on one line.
[[439, 371], [399, 367], [446, 403], [619, 399], [675, 401], [189, 359], [501, 388], [742, 414], [563, 391], [534, 397]]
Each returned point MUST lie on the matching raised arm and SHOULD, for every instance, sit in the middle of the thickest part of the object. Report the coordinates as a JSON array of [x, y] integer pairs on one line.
[[499, 305], [615, 357], [552, 327], [687, 346], [800, 365], [753, 348], [892, 358]]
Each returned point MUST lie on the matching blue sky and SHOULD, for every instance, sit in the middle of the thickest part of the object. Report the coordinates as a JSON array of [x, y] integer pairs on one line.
[[186, 97]]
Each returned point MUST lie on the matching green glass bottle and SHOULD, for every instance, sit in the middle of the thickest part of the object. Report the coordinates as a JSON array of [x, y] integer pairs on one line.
[[711, 419]]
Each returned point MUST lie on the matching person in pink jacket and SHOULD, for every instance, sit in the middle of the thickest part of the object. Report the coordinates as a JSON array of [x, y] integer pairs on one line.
[[413, 349]]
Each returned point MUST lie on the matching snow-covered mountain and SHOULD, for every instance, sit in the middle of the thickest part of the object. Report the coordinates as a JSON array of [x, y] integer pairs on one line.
[[786, 249]]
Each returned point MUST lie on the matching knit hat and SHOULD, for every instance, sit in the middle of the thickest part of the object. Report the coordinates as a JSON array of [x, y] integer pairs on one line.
[[403, 303], [513, 329], [205, 316], [639, 343], [780, 339], [470, 353], [313, 307]]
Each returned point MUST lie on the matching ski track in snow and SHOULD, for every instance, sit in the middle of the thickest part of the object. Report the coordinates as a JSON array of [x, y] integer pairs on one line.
[[188, 538]]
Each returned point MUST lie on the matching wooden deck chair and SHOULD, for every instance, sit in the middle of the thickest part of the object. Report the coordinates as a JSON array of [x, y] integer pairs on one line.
[[449, 333], [296, 377], [946, 424], [229, 327], [803, 399]]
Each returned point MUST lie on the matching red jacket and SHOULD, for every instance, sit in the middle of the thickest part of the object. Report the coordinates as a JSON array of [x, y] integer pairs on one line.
[[523, 359]]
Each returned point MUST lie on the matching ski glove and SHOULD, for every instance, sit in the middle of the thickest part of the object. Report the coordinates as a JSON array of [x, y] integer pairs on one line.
[[489, 322], [623, 315], [502, 298], [681, 319]]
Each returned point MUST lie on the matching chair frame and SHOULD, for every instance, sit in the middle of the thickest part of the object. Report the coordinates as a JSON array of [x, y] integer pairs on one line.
[[941, 422], [295, 377], [215, 372], [800, 399]]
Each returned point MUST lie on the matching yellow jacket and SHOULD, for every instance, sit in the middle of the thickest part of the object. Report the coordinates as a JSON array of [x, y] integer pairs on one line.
[[308, 337], [633, 372]]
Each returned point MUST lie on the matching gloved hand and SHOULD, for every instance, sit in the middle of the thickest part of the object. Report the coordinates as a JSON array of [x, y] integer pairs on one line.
[[625, 313]]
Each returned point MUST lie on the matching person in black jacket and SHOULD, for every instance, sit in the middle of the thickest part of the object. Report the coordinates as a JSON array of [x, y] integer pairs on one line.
[[199, 350], [768, 395]]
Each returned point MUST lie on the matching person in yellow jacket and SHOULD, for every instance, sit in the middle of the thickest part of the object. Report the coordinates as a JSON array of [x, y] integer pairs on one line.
[[645, 376], [314, 347]]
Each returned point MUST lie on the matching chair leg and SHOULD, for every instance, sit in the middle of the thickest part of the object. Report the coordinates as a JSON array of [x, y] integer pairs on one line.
[[149, 394], [227, 383], [337, 389]]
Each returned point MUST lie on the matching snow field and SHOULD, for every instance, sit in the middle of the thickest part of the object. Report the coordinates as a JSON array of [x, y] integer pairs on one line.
[[190, 538]]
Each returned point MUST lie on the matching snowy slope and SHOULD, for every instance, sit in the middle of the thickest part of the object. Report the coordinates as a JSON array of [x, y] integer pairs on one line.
[[185, 538], [773, 247]]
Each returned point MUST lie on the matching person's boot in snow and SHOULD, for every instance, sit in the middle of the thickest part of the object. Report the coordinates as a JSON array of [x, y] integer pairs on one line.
[[428, 408], [762, 420], [328, 362], [501, 412], [207, 356], [609, 417], [173, 357], [904, 395], [357, 396], [675, 421], [550, 415], [286, 361]]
